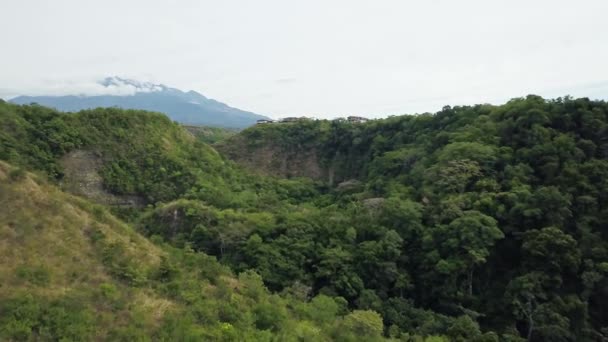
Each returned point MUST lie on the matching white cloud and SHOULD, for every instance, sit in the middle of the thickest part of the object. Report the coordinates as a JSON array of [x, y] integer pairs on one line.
[[84, 87]]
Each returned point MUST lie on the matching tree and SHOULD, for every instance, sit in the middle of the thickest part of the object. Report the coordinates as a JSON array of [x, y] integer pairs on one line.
[[335, 269], [550, 250], [362, 324], [464, 328], [532, 301], [464, 244], [456, 175]]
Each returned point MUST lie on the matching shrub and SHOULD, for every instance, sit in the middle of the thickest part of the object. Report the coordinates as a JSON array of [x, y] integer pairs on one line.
[[36, 275], [17, 174]]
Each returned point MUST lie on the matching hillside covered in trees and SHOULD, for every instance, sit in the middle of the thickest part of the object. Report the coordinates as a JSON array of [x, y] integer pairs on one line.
[[480, 223]]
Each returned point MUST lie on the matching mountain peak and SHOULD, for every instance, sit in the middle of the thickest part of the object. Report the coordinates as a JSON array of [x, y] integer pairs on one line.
[[188, 107]]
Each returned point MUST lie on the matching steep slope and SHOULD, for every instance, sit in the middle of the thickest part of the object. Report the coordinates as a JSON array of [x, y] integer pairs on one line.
[[137, 157], [282, 149], [62, 256], [184, 107], [71, 271], [134, 153]]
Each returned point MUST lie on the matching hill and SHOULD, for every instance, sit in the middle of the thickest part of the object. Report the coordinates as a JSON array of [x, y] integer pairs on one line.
[[498, 212], [476, 223], [70, 270], [189, 107]]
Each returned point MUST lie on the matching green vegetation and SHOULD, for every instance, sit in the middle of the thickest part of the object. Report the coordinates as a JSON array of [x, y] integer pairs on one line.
[[483, 223], [71, 271], [211, 135]]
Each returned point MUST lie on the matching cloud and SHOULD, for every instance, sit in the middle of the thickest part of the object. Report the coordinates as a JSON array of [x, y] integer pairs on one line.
[[85, 87]]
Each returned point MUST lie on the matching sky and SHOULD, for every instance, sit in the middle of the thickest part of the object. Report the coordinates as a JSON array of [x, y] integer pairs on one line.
[[321, 58]]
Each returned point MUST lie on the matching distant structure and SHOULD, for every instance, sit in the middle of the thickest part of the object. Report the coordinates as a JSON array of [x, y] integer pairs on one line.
[[285, 120], [357, 119], [354, 119], [289, 119]]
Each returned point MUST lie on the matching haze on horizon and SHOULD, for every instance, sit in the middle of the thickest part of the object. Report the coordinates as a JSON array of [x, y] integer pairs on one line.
[[314, 58]]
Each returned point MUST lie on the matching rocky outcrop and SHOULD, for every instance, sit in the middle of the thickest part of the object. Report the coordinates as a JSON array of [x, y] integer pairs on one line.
[[374, 203], [287, 150], [350, 185], [269, 159], [81, 177]]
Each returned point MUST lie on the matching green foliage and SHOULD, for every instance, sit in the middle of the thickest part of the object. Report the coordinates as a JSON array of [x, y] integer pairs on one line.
[[551, 250], [479, 197], [39, 276], [478, 223], [28, 318], [211, 135], [16, 174], [359, 324]]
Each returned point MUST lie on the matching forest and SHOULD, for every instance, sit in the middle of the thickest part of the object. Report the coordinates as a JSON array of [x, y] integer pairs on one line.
[[475, 223]]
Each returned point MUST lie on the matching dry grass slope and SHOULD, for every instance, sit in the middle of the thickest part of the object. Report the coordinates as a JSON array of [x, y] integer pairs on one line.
[[47, 250]]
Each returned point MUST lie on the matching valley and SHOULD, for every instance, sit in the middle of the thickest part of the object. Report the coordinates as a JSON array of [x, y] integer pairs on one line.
[[475, 223]]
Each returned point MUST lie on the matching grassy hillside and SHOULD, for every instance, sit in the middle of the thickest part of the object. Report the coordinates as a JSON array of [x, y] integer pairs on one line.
[[66, 265], [69, 270]]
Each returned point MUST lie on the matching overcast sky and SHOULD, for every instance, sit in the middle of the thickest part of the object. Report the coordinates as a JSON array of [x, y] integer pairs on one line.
[[312, 57]]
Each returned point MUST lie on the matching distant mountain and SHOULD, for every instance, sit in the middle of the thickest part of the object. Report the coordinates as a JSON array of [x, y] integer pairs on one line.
[[185, 107]]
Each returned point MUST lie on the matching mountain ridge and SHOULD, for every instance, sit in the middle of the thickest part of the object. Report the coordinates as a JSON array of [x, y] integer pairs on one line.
[[186, 107]]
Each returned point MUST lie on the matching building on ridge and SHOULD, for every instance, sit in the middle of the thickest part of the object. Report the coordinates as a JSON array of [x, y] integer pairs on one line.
[[357, 119]]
